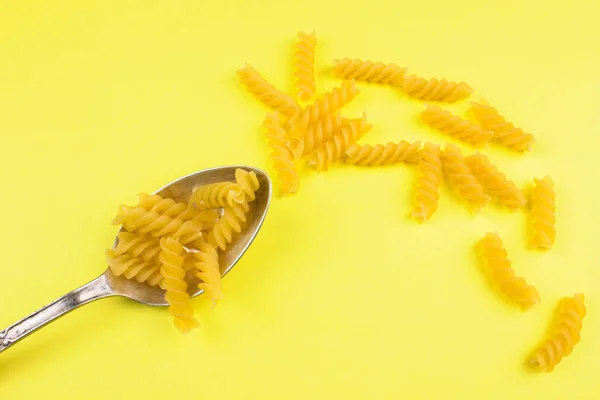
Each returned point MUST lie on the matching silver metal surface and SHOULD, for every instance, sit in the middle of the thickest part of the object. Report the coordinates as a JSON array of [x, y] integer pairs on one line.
[[107, 284]]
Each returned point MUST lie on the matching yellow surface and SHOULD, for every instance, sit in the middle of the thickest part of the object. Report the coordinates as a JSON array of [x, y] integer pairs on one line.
[[342, 296]]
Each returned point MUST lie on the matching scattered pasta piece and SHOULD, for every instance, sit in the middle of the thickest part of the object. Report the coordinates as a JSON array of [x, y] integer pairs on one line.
[[369, 71], [461, 178], [391, 153], [494, 182], [430, 166], [316, 134], [283, 160], [499, 266], [566, 334], [433, 89], [456, 127], [542, 211], [305, 65], [505, 133], [267, 93]]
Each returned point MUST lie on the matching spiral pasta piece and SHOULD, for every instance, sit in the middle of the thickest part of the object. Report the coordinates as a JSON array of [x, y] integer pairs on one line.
[[328, 104], [248, 184], [207, 263], [305, 65], [566, 334], [267, 93], [334, 149], [455, 126], [505, 132], [461, 178], [136, 244], [430, 167], [369, 71], [542, 210], [189, 231], [434, 89], [283, 160], [494, 182], [171, 258], [165, 206], [216, 195], [391, 153], [139, 267], [316, 134], [222, 233], [499, 266]]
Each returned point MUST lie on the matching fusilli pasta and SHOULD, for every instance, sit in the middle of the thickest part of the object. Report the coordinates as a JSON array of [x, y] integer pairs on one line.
[[316, 134], [430, 166], [542, 211], [504, 132], [456, 127], [434, 89], [222, 233], [494, 182], [216, 195], [461, 178], [378, 72], [566, 334], [499, 267], [383, 155], [207, 263], [283, 160], [267, 93], [248, 184], [305, 65], [171, 258]]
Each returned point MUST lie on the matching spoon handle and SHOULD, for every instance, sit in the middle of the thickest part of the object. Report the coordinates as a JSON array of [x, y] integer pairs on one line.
[[96, 289]]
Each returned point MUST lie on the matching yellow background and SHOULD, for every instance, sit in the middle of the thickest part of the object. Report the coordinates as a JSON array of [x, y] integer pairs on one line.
[[342, 295]]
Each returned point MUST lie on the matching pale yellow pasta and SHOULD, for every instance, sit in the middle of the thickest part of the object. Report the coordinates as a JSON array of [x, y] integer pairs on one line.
[[155, 204], [171, 258], [132, 267], [136, 244], [505, 132], [248, 184], [216, 195], [267, 93], [316, 134], [434, 89], [207, 264], [461, 178], [304, 62], [369, 71], [231, 222], [391, 153], [456, 127], [283, 160], [542, 211], [494, 182], [430, 167]]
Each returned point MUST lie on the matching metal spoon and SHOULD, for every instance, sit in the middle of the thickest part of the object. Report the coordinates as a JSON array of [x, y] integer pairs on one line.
[[107, 284]]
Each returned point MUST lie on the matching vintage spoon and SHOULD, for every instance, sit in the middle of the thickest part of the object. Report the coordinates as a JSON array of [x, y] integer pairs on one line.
[[107, 284]]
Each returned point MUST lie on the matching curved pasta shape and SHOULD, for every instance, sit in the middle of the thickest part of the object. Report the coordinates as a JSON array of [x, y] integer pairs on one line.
[[222, 233], [216, 195], [542, 210], [434, 89], [461, 178], [316, 134], [505, 133], [391, 153], [334, 149], [499, 266], [566, 334], [455, 126], [267, 93], [283, 160], [494, 182], [165, 206], [171, 258], [369, 71], [328, 104], [136, 245], [189, 231], [305, 65], [207, 263], [248, 184], [430, 167]]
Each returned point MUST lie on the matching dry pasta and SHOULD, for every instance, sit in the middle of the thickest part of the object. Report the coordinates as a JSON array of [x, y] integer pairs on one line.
[[499, 267], [222, 233], [504, 132], [305, 65], [494, 182], [369, 71], [316, 134], [207, 264], [566, 333], [283, 160], [456, 127], [247, 183], [267, 93], [542, 212], [434, 89], [216, 195], [461, 178], [430, 166], [391, 153]]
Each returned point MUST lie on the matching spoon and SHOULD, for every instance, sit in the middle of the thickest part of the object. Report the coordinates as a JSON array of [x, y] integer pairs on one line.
[[107, 284]]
